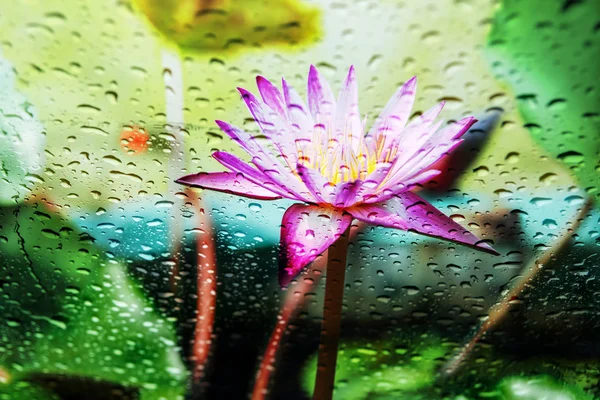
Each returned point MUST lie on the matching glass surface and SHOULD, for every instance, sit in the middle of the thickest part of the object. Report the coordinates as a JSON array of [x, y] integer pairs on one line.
[[116, 282]]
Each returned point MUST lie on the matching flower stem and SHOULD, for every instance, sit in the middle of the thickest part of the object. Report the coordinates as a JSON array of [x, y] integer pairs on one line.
[[332, 317], [207, 293]]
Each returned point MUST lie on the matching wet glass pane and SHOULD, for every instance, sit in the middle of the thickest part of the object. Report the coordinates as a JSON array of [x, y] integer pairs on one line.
[[166, 235]]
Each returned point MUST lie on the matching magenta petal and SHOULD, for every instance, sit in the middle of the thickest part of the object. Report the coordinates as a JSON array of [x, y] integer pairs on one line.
[[347, 193], [410, 212], [307, 231], [316, 184], [228, 182], [320, 98]]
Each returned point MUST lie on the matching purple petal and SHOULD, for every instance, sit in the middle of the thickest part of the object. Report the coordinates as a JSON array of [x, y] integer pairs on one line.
[[228, 182], [347, 117], [274, 126], [271, 95], [438, 146], [408, 211], [419, 164], [320, 99], [307, 231], [457, 129], [244, 139]]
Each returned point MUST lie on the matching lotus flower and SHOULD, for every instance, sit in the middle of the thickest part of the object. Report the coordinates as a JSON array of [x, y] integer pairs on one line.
[[319, 155]]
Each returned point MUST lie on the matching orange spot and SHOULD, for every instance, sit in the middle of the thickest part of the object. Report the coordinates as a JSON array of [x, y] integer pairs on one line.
[[134, 140]]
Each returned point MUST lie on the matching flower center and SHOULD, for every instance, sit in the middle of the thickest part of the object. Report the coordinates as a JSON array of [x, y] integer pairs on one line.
[[339, 158]]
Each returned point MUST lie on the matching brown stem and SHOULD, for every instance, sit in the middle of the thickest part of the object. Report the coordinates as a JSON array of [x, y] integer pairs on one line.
[[332, 318], [500, 309]]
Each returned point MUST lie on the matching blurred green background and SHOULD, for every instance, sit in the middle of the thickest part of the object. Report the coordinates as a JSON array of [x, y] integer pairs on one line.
[[105, 103]]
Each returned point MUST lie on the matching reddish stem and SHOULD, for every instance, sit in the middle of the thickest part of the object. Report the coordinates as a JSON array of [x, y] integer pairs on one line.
[[293, 302], [207, 291]]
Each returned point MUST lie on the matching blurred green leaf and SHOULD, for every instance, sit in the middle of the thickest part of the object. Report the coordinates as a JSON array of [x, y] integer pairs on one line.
[[546, 53], [67, 310], [227, 24], [540, 388], [25, 390], [365, 370]]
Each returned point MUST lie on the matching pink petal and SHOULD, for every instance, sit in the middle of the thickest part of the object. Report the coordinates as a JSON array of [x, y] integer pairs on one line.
[[307, 231], [419, 164], [414, 136], [369, 187], [265, 161], [407, 211], [393, 189], [234, 164], [228, 182], [347, 116], [438, 146], [320, 99], [274, 125], [244, 139], [347, 192], [299, 116], [316, 184], [395, 115]]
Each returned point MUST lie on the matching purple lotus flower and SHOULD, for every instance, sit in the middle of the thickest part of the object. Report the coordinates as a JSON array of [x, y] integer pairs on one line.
[[320, 156]]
